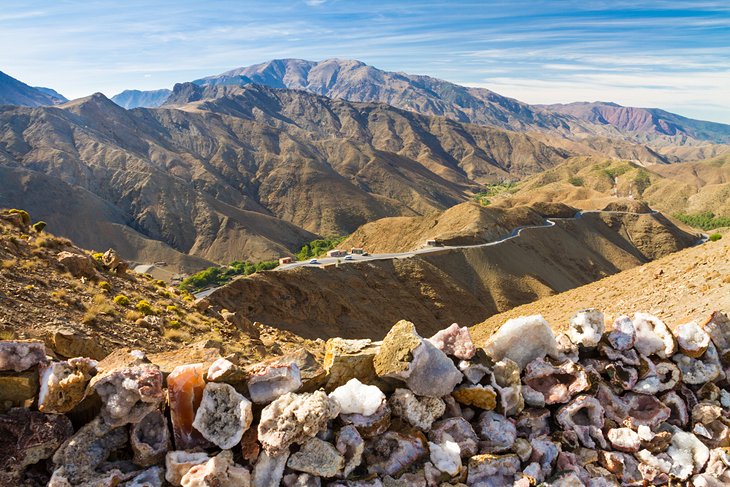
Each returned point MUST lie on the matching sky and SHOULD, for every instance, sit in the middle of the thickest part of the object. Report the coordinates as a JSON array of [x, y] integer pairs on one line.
[[667, 54]]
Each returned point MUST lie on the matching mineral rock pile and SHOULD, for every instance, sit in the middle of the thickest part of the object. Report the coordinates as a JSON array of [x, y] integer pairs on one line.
[[632, 403]]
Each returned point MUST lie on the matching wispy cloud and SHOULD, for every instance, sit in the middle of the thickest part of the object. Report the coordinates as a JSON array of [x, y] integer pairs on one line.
[[670, 53]]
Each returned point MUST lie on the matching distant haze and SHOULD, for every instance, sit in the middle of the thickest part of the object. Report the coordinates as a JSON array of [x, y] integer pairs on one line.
[[670, 55]]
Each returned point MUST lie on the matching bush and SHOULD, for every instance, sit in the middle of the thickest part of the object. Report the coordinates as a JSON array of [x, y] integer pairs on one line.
[[174, 324], [318, 247], [217, 276], [121, 300], [575, 181], [144, 307], [715, 237], [173, 309], [642, 181], [106, 286], [39, 226], [23, 214], [706, 220]]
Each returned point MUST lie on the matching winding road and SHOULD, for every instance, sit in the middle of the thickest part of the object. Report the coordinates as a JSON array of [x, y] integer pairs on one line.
[[321, 262]]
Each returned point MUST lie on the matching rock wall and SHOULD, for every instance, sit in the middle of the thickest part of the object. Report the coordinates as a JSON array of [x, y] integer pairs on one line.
[[629, 404]]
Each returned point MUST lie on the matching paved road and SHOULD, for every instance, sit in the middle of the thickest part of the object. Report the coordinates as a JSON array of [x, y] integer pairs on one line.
[[549, 222]]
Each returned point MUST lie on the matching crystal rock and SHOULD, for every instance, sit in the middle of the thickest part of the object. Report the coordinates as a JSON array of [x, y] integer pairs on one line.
[[396, 352], [185, 386], [20, 355], [556, 384], [522, 340], [624, 439], [302, 480], [482, 397], [459, 430], [346, 359], [293, 418], [391, 453], [273, 381], [496, 431], [586, 328], [492, 470], [269, 470], [151, 477], [446, 457], [357, 398], [318, 458], [223, 415], [370, 426], [623, 334], [223, 370], [718, 327], [533, 423], [689, 454], [150, 439], [432, 373], [63, 384], [351, 446], [219, 471], [506, 380], [653, 336], [420, 412], [454, 341], [692, 339], [128, 394], [701, 370], [584, 415], [178, 463]]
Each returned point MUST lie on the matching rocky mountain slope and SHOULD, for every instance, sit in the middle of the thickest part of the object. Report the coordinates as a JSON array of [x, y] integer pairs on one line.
[[15, 92], [677, 288], [363, 299], [251, 172], [144, 99]]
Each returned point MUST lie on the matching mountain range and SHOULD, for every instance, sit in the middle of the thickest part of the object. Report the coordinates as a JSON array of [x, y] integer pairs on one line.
[[15, 92]]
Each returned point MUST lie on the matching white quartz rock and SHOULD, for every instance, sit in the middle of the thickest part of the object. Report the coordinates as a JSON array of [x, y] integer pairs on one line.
[[432, 373], [223, 415], [653, 336], [446, 457], [269, 469], [357, 398], [586, 327], [689, 455], [274, 381], [523, 340]]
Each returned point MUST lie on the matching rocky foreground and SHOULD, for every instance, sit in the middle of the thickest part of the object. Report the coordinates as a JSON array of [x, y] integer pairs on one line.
[[634, 404]]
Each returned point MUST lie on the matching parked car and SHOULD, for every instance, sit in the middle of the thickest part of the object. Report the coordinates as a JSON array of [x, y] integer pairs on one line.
[[314, 261], [348, 257], [366, 254]]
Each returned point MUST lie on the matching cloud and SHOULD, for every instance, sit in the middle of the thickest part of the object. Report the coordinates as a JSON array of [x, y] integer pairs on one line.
[[315, 3]]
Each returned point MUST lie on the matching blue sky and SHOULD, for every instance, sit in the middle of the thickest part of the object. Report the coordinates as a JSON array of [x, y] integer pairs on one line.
[[668, 54]]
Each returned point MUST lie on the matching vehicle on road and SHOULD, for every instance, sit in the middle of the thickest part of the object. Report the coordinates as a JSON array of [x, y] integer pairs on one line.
[[366, 254], [314, 261], [348, 257]]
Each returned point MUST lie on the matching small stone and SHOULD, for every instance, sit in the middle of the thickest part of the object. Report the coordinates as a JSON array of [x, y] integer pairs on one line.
[[701, 370], [623, 334], [653, 336], [178, 463], [624, 439], [492, 470], [420, 412], [506, 380], [557, 384], [128, 394], [584, 416], [317, 457], [432, 373], [63, 384], [522, 340], [396, 352], [269, 470], [219, 471], [661, 377], [357, 398], [293, 418], [446, 457], [533, 423], [718, 327], [223, 370], [689, 455], [21, 355], [78, 265], [185, 386], [17, 389], [586, 328], [303, 480], [459, 430], [28, 438], [474, 372], [273, 381], [496, 431], [482, 397], [351, 446], [223, 415], [370, 426], [150, 439], [454, 341], [67, 342], [151, 477], [348, 359], [692, 339], [392, 453]]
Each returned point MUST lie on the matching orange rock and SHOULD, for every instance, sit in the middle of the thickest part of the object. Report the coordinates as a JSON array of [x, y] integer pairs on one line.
[[185, 387]]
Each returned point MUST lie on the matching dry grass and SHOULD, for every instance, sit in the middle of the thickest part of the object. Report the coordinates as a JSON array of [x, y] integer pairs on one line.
[[99, 306], [177, 335]]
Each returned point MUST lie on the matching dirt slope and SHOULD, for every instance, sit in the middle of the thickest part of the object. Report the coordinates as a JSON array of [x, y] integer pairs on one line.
[[365, 299], [678, 288]]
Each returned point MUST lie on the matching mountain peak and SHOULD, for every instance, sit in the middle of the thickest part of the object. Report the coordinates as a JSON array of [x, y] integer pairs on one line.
[[15, 92]]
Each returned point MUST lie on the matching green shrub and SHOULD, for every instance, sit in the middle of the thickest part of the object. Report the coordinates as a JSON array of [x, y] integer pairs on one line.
[[23, 214], [144, 307], [318, 247], [642, 181], [39, 226], [174, 324], [575, 181], [173, 309], [715, 237], [121, 300], [105, 286], [706, 220]]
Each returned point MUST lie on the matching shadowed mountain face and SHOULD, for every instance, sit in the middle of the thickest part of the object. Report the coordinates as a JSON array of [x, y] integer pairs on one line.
[[14, 92], [247, 172], [137, 98]]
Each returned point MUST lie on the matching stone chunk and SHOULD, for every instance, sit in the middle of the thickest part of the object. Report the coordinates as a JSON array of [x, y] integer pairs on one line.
[[586, 328], [63, 384], [689, 455], [396, 353], [223, 370], [584, 416], [446, 457], [623, 334], [21, 355], [522, 340], [293, 418], [78, 265], [223, 415], [348, 359], [718, 327], [269, 470], [317, 457], [482, 397], [420, 412], [392, 453], [369, 426], [185, 386], [357, 398], [219, 471], [653, 336], [26, 438], [692, 339], [701, 370], [128, 394], [454, 341], [17, 389], [432, 373], [624, 439], [273, 381], [492, 470], [556, 383], [151, 477], [351, 446], [150, 439], [304, 480], [506, 380], [496, 431], [178, 463], [459, 430]]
